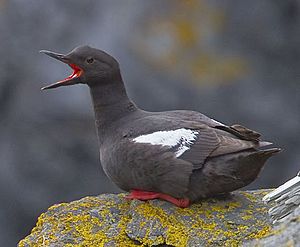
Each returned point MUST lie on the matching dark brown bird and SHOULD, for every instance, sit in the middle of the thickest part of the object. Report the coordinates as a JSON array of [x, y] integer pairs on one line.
[[179, 156]]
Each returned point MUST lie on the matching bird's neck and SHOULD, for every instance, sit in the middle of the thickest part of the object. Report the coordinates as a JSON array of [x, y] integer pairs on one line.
[[111, 103]]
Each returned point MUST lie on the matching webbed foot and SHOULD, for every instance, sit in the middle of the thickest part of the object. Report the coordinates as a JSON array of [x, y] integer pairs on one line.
[[148, 195]]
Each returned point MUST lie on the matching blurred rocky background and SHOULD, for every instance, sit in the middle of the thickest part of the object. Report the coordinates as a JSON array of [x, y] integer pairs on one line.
[[236, 61]]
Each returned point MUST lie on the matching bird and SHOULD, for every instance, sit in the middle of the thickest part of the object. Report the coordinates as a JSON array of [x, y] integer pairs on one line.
[[285, 199], [179, 156]]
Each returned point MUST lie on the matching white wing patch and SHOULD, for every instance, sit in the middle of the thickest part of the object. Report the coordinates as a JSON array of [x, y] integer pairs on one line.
[[183, 138]]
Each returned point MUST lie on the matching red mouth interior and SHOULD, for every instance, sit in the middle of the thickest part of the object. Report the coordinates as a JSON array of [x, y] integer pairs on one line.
[[76, 72]]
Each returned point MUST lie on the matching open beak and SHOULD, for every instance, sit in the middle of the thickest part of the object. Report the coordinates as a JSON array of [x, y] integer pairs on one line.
[[74, 78]]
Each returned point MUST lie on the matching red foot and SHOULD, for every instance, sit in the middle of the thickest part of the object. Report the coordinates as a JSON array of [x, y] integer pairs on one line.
[[147, 195]]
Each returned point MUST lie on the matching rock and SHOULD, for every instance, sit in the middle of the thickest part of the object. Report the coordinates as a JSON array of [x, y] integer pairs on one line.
[[111, 220], [286, 199], [286, 233]]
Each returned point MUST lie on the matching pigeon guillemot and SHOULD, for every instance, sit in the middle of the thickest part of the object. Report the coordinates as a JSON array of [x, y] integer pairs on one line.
[[179, 156]]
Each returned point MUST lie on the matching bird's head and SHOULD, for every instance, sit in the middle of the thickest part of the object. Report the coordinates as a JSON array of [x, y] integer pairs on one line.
[[90, 66]]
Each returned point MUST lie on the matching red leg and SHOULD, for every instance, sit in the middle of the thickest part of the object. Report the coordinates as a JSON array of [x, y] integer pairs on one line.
[[147, 195]]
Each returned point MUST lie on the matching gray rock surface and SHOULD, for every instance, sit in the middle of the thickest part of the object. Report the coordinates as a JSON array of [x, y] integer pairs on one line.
[[286, 233], [285, 198], [111, 220]]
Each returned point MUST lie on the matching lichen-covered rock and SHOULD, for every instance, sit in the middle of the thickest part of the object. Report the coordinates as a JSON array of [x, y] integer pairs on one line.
[[111, 220], [286, 199], [285, 234]]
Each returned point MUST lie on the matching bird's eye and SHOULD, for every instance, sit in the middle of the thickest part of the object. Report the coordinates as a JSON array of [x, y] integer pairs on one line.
[[90, 60]]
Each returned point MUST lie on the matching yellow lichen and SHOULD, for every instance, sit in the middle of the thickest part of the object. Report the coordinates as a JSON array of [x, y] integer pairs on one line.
[[264, 232], [94, 221]]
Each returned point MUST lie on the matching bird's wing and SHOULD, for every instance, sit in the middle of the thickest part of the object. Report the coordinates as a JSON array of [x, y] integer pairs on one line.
[[192, 141], [198, 142], [214, 142], [236, 129], [241, 132], [286, 198]]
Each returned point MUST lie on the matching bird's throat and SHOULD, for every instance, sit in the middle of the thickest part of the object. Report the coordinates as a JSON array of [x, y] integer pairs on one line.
[[110, 103]]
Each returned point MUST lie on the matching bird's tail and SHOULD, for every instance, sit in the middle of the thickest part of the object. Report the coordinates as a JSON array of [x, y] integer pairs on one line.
[[229, 172], [253, 163]]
